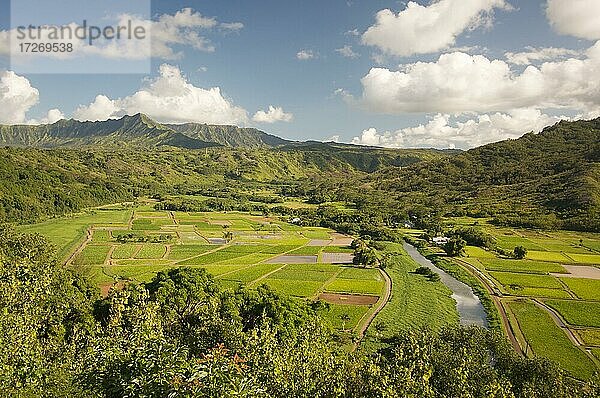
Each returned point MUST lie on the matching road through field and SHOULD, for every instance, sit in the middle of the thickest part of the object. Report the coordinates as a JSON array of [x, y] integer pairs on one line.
[[387, 293]]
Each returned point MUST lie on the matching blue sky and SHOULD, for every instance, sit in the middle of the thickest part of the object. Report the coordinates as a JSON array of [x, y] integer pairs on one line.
[[257, 66]]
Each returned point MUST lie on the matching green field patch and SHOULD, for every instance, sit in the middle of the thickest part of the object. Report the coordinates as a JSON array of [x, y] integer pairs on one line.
[[538, 292], [527, 266], [151, 250], [143, 262], [243, 249], [369, 274], [96, 274], [190, 237], [217, 270], [316, 233], [510, 242], [585, 258], [143, 273], [149, 224], [204, 226], [590, 337], [549, 341], [586, 289], [578, 313], [101, 236], [124, 251], [182, 252], [306, 274], [151, 214], [548, 256], [478, 252], [355, 286], [278, 249], [338, 249], [526, 280], [225, 254], [252, 273], [211, 258], [306, 251], [314, 267], [559, 242], [293, 287], [248, 259], [92, 255], [334, 314], [596, 353]]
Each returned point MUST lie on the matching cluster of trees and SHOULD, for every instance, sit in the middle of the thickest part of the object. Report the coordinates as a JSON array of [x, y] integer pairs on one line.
[[428, 273], [182, 335], [364, 254]]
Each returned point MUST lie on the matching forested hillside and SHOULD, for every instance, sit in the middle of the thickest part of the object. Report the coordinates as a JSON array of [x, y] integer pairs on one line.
[[546, 180], [38, 183], [551, 179]]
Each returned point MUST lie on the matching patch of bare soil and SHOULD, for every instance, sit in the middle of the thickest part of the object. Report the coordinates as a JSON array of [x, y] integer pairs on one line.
[[350, 299]]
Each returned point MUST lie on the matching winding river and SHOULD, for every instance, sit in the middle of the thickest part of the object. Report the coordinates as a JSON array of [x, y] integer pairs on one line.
[[470, 309]]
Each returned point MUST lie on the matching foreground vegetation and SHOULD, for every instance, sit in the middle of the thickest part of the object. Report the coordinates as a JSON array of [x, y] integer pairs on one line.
[[181, 334]]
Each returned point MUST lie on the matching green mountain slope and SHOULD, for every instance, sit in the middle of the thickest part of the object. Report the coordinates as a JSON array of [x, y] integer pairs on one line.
[[137, 130], [231, 136], [529, 180]]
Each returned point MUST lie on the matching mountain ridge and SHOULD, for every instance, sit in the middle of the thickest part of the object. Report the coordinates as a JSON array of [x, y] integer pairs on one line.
[[134, 130]]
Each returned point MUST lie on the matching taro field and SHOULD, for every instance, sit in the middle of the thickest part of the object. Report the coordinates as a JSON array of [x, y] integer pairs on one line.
[[552, 297], [120, 244]]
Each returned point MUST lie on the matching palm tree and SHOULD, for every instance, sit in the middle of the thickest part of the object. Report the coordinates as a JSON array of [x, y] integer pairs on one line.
[[228, 236]]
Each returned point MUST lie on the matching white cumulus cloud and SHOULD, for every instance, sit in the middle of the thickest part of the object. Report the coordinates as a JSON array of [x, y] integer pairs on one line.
[[446, 131], [169, 98], [579, 18], [17, 96], [272, 115], [102, 108], [52, 116], [535, 55], [459, 82], [422, 29]]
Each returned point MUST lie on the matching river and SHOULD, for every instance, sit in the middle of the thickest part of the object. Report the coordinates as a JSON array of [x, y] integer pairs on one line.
[[470, 309]]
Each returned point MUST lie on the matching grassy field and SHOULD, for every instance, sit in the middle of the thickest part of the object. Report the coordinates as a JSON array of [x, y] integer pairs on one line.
[[549, 341], [125, 251], [591, 337], [92, 255], [578, 313], [416, 302], [66, 233], [526, 280], [336, 313], [524, 266], [586, 289]]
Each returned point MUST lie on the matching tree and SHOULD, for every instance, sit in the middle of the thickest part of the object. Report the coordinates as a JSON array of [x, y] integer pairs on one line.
[[455, 246], [520, 252], [228, 236]]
